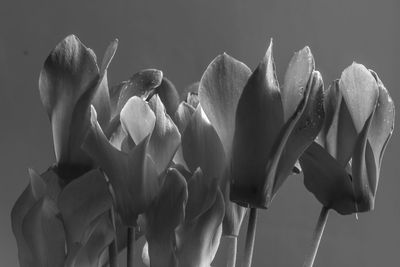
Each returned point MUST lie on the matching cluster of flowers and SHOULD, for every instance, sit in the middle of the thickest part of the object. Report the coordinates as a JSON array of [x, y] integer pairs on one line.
[[132, 160]]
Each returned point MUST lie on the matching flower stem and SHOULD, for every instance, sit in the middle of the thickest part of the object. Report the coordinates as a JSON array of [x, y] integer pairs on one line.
[[112, 248], [319, 230], [250, 237], [232, 250], [130, 252]]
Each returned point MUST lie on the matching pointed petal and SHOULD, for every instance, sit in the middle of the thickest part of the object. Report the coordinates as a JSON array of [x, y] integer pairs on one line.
[[234, 213], [81, 202], [297, 134], [165, 138], [327, 180], [183, 115], [341, 135], [44, 232], [168, 95], [202, 191], [164, 216], [296, 78], [259, 118], [219, 91], [38, 185], [364, 170], [360, 92], [67, 83], [141, 84], [21, 207], [198, 240], [382, 124], [198, 140], [137, 118]]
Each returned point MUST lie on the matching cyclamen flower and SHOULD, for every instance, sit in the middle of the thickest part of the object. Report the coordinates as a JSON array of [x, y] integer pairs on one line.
[[342, 168]]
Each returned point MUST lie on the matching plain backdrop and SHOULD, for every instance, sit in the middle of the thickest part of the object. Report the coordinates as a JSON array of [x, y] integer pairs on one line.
[[181, 38]]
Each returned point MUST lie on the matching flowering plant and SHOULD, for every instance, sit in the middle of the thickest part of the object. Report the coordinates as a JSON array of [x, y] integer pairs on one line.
[[138, 160]]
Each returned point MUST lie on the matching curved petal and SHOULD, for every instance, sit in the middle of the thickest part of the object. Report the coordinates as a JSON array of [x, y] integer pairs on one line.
[[202, 148], [127, 172], [259, 118], [101, 235], [382, 124], [360, 92], [327, 180], [234, 213], [198, 239], [341, 135], [44, 232], [101, 100], [165, 138], [296, 78], [114, 92], [364, 170], [81, 202], [140, 84], [168, 95], [297, 134], [163, 217], [137, 118], [219, 91], [202, 191], [183, 115], [67, 83]]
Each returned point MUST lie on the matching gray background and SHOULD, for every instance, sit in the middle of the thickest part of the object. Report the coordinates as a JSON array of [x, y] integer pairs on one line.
[[181, 38]]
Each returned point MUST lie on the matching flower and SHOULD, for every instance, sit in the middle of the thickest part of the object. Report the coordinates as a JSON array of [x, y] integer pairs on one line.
[[136, 176], [273, 127], [342, 168]]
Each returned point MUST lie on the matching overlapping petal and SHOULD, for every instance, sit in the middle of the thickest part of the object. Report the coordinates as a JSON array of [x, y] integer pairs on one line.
[[163, 217], [199, 236], [67, 84], [168, 95]]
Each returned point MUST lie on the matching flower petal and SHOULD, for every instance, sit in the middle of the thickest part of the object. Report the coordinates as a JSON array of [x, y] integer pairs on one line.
[[140, 84], [360, 92], [259, 118], [101, 235], [127, 172], [101, 100], [202, 147], [297, 134], [219, 92], [163, 217], [81, 202], [327, 180], [364, 170], [341, 136], [168, 95], [382, 124], [296, 78], [165, 138], [198, 240], [44, 232], [67, 83], [137, 118], [183, 115]]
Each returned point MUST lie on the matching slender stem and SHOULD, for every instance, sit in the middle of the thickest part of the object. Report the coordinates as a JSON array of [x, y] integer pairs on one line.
[[250, 237], [113, 248], [130, 252], [232, 250], [319, 230]]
